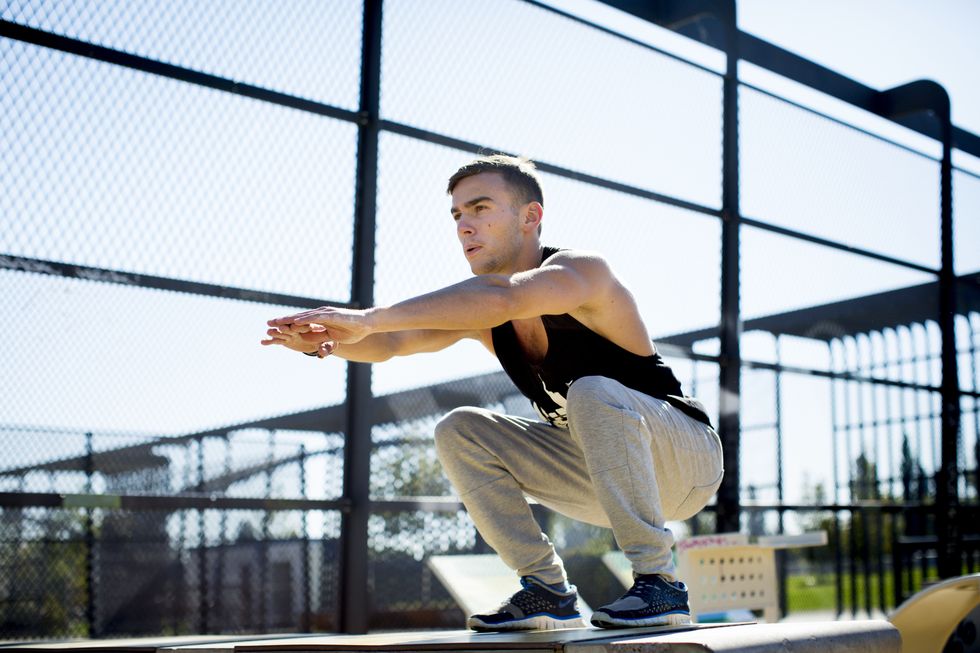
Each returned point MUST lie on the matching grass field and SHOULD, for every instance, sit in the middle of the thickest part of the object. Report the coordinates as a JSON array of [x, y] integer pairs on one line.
[[810, 592]]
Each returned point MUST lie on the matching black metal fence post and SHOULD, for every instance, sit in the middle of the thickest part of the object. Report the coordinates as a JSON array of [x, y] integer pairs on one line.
[[947, 492], [265, 576], [781, 555], [730, 374], [202, 552], [307, 606], [91, 612], [354, 604], [908, 102]]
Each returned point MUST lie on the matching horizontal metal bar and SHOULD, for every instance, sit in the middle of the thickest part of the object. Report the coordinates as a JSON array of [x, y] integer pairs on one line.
[[846, 376], [165, 503], [968, 173], [804, 71], [558, 171], [850, 249], [670, 350], [88, 273], [85, 49], [966, 141], [191, 502], [619, 35], [838, 507], [809, 73], [415, 504], [838, 121], [912, 541]]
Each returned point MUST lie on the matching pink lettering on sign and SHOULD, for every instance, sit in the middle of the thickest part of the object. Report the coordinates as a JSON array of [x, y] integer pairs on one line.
[[721, 539]]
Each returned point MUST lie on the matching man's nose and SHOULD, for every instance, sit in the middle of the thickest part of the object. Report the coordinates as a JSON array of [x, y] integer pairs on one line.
[[463, 227]]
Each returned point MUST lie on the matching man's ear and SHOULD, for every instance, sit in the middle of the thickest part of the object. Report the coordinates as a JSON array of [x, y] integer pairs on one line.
[[532, 215]]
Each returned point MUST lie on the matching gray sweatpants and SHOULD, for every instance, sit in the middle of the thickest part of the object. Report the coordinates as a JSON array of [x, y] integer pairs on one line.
[[627, 462]]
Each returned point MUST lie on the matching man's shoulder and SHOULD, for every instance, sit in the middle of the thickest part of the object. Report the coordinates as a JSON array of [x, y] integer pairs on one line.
[[567, 255]]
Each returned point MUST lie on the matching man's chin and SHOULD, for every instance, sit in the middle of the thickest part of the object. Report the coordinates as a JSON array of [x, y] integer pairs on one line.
[[481, 269]]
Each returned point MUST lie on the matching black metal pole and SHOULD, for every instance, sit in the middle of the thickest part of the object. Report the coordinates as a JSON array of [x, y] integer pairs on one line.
[[897, 583], [834, 418], [354, 604], [91, 614], [838, 567], [852, 560], [305, 618], [781, 555], [219, 591], [264, 558], [947, 494], [902, 102], [729, 428], [878, 422], [202, 562], [976, 403], [835, 422]]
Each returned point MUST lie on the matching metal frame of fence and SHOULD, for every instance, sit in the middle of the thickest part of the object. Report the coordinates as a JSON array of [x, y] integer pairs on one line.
[[920, 106]]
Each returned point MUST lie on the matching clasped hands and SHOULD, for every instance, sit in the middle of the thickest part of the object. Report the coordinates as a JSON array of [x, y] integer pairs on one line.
[[320, 330]]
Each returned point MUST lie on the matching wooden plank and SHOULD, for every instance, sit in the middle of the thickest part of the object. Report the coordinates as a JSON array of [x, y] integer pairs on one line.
[[228, 645], [461, 640], [127, 645]]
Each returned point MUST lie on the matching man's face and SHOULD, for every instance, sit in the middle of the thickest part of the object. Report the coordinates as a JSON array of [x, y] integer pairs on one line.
[[487, 223]]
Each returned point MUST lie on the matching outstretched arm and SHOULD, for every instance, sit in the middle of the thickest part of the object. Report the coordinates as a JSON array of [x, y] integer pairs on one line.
[[566, 282], [375, 348]]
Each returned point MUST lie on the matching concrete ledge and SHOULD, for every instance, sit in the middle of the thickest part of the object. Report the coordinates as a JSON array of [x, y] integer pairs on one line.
[[820, 637], [816, 637]]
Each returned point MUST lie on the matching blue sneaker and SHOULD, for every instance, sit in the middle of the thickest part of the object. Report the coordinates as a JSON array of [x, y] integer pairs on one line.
[[652, 601], [535, 607]]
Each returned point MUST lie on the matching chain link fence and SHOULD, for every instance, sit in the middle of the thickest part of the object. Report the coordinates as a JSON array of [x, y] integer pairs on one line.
[[175, 175]]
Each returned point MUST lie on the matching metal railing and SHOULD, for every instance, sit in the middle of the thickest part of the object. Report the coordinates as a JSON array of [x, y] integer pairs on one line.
[[214, 534]]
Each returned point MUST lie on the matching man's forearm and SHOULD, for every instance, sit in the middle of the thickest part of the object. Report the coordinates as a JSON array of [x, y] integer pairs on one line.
[[376, 348], [479, 303]]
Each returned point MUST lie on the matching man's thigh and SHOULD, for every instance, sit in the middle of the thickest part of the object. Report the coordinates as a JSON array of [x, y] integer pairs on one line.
[[543, 459]]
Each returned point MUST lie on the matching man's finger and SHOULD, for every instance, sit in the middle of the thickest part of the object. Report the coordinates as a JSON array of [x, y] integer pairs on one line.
[[298, 318], [280, 321], [312, 337]]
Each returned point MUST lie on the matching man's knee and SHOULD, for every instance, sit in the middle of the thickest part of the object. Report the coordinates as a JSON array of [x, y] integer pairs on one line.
[[456, 425], [585, 392]]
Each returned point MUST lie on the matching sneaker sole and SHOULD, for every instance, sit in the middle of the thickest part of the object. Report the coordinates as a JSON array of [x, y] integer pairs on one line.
[[531, 623], [602, 620]]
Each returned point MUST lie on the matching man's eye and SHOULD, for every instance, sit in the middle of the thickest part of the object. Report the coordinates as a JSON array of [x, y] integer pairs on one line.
[[479, 207]]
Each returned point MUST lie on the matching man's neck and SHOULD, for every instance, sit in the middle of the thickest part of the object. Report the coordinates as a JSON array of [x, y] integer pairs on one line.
[[529, 258]]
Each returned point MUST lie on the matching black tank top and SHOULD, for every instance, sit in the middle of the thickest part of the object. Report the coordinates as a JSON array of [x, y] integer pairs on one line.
[[575, 351]]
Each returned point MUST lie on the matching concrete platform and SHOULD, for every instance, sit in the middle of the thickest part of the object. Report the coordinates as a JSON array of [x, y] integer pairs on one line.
[[140, 644], [809, 637]]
